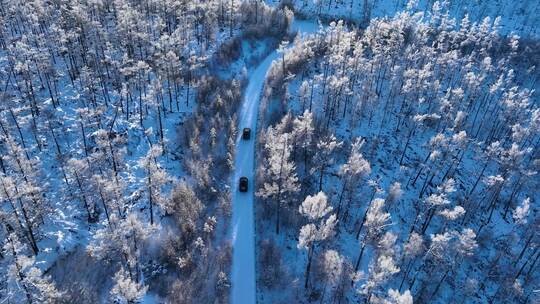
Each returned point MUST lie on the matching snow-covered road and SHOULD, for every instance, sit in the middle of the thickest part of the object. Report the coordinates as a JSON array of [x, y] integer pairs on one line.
[[243, 233]]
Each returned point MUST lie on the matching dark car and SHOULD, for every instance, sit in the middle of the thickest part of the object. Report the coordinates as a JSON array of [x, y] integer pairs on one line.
[[246, 134], [243, 185]]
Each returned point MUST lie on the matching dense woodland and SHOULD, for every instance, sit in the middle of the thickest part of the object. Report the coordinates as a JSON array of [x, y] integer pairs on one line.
[[522, 16], [113, 180], [397, 158], [400, 163]]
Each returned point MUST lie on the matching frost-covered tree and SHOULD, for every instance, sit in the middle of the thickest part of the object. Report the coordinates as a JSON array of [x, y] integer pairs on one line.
[[315, 209], [223, 283], [376, 220], [122, 242], [333, 264], [280, 181], [25, 187], [413, 248], [379, 272], [81, 173], [303, 134], [25, 283], [446, 251], [440, 200], [522, 212], [352, 172], [126, 290], [156, 179], [185, 207], [326, 146], [111, 191], [394, 193], [110, 152], [395, 297], [19, 218]]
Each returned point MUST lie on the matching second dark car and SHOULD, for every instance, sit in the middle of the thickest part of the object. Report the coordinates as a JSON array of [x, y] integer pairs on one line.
[[243, 184], [246, 134]]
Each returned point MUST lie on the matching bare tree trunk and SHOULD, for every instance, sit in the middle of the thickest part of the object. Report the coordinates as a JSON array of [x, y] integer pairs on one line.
[[150, 197], [308, 267], [20, 274], [278, 209], [439, 284]]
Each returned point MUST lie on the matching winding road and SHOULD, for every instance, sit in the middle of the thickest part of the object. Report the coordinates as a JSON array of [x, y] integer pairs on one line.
[[243, 230]]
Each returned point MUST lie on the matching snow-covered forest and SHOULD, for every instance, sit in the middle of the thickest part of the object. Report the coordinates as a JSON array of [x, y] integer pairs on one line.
[[117, 139], [522, 16], [393, 156], [400, 162]]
